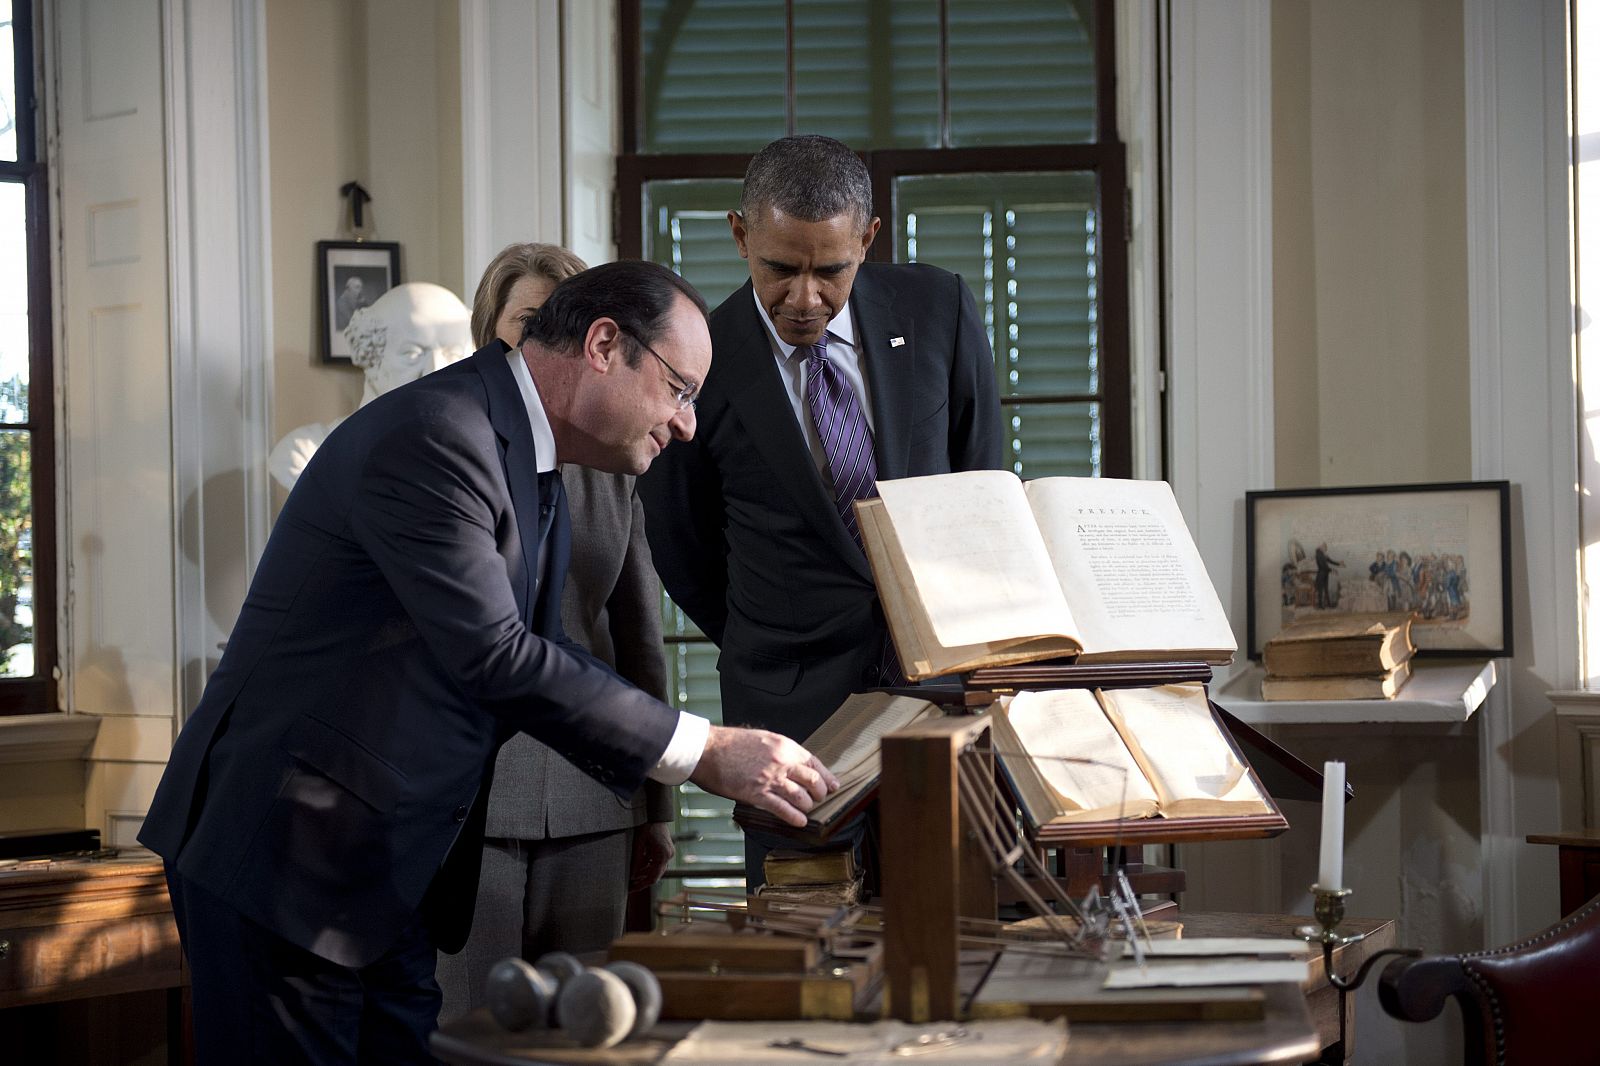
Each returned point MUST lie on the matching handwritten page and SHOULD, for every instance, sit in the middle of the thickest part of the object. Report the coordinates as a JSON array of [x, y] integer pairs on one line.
[[1054, 723], [1218, 946], [976, 557], [998, 1040], [1210, 972]]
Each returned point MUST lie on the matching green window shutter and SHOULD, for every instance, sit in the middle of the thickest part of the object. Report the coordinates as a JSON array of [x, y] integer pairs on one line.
[[1026, 244], [714, 73], [1021, 72]]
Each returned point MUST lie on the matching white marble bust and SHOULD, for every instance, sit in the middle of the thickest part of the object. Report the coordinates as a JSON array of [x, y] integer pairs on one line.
[[409, 331]]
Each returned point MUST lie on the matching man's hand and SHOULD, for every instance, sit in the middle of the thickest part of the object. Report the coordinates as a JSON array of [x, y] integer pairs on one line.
[[765, 770], [652, 851]]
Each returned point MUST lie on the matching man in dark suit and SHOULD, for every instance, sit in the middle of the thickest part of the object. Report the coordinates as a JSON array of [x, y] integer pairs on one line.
[[322, 812], [750, 523]]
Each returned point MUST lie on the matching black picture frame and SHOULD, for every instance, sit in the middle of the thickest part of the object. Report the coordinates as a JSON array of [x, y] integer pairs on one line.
[[351, 275], [1446, 555]]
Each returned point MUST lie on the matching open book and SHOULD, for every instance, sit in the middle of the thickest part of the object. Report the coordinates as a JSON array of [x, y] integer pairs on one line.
[[1079, 755], [847, 744], [977, 569]]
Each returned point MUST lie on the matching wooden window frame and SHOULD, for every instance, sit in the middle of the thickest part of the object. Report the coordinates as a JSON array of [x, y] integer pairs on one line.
[[1105, 157], [36, 694]]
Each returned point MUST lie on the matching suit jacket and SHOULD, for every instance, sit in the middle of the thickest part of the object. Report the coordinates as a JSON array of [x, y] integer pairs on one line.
[[742, 526], [336, 769], [612, 606]]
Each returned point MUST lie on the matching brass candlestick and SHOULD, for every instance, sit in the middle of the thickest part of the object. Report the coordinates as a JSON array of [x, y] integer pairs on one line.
[[1328, 906]]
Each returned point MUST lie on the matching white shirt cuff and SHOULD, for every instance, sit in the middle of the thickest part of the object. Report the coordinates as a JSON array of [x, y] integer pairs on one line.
[[683, 752]]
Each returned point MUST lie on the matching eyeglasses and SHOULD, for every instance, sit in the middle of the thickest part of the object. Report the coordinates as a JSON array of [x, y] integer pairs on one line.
[[685, 392]]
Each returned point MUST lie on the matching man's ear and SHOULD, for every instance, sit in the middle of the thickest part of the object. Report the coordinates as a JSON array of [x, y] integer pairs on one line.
[[736, 223], [602, 345], [870, 232]]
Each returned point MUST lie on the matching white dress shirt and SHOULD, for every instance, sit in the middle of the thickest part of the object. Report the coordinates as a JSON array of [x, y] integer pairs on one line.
[[843, 354], [688, 741]]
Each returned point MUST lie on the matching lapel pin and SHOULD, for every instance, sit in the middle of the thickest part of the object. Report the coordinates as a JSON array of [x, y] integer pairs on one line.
[[895, 342]]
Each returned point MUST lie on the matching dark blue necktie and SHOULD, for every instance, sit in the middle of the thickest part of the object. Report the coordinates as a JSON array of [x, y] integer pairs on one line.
[[552, 497], [551, 492], [847, 442]]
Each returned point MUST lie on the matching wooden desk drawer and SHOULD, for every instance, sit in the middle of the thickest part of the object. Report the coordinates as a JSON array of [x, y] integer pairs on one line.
[[93, 929], [44, 963]]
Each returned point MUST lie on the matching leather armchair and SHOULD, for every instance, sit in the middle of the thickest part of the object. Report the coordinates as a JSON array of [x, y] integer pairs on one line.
[[1532, 1001]]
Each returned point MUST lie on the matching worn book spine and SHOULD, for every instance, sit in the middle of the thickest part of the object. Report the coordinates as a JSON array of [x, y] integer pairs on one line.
[[1334, 657], [1340, 644], [1377, 687], [787, 867], [836, 893]]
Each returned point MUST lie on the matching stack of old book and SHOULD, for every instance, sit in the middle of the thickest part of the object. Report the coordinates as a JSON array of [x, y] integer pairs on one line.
[[1339, 656], [828, 877]]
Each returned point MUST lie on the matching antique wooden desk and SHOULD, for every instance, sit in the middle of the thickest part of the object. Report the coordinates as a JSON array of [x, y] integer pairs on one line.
[[1322, 999], [1297, 1027], [1284, 1035], [90, 965]]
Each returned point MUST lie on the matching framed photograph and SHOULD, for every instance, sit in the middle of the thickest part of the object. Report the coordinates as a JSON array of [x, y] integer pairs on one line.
[[350, 276], [1442, 552]]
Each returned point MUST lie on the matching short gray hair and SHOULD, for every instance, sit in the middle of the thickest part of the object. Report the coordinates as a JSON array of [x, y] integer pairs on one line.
[[809, 177]]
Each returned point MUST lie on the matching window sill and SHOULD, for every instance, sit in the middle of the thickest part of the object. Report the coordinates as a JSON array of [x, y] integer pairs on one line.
[[1584, 703], [28, 738]]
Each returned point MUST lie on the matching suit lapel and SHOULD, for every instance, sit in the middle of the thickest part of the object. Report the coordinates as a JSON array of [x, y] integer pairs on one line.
[[887, 368], [509, 417], [755, 393]]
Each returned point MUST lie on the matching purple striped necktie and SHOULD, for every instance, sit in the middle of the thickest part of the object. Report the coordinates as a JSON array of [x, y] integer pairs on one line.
[[846, 438], [847, 443]]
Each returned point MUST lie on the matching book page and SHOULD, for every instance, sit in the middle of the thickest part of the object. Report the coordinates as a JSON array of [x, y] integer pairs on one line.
[[921, 654], [850, 736], [976, 557], [1127, 562], [1222, 946], [848, 744], [1209, 972], [1171, 732], [1054, 723]]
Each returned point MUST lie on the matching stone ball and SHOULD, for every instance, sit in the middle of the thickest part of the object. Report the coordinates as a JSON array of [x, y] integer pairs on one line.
[[518, 995], [560, 965], [596, 1008], [646, 993]]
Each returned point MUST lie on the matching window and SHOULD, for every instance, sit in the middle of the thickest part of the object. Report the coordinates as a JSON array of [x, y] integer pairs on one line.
[[27, 508], [989, 129]]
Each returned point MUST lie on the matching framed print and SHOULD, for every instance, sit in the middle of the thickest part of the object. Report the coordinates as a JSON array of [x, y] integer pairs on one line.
[[350, 276], [1441, 552]]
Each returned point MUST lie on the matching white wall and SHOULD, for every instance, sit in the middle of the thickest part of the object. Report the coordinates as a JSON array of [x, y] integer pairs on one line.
[[1369, 223], [169, 297], [1419, 288], [367, 92]]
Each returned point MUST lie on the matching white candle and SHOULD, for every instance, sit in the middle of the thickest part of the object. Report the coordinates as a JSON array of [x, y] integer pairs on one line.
[[1330, 870]]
